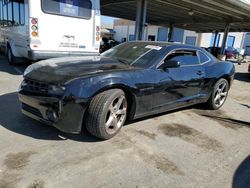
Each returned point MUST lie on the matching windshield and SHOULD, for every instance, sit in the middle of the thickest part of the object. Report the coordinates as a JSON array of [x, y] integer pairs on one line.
[[140, 54], [72, 8]]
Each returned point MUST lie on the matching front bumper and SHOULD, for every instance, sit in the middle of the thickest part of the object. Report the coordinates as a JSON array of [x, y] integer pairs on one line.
[[39, 55], [69, 116]]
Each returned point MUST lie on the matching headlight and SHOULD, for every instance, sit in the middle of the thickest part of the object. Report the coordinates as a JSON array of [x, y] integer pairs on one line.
[[56, 90], [22, 85]]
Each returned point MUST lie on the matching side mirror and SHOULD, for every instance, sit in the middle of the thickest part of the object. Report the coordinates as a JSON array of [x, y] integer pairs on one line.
[[170, 64]]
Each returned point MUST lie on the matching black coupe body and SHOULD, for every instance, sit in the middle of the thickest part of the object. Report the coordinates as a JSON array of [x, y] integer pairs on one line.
[[130, 81]]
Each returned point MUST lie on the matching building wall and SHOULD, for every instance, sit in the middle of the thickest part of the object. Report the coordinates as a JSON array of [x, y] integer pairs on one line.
[[247, 40], [192, 34], [246, 43], [126, 29], [121, 32], [206, 39]]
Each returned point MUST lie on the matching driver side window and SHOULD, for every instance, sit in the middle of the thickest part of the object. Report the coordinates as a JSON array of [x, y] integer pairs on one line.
[[185, 57]]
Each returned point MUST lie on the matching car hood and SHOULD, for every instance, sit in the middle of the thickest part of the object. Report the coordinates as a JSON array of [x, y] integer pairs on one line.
[[61, 70]]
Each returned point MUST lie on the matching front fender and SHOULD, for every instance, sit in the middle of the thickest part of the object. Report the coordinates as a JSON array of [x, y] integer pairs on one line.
[[87, 88]]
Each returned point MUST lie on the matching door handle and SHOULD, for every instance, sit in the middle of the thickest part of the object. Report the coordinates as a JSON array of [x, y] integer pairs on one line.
[[200, 73]]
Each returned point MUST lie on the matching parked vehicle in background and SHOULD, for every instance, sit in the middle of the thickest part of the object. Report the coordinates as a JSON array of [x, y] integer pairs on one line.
[[49, 28], [215, 51], [129, 81], [232, 52], [249, 70]]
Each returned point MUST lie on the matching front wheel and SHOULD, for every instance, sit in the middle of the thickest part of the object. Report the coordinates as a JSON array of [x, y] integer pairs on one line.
[[219, 95], [106, 114]]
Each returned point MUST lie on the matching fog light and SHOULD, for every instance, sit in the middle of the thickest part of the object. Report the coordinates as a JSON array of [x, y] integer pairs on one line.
[[51, 115]]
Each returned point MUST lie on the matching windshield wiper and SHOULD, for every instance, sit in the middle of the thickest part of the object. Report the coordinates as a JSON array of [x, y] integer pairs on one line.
[[123, 61]]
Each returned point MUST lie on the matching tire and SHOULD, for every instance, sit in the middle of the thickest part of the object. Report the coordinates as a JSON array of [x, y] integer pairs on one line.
[[219, 95], [13, 60], [106, 114]]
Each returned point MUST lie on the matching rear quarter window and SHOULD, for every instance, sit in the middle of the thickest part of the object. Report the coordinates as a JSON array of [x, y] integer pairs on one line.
[[203, 58]]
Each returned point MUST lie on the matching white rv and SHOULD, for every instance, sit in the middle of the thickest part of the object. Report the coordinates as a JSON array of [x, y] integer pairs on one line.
[[41, 29]]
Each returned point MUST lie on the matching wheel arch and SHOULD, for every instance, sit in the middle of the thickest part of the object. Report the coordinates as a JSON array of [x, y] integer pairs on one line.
[[130, 96], [227, 78], [11, 45]]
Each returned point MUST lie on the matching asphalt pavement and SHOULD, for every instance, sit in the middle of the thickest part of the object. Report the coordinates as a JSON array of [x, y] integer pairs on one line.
[[192, 147]]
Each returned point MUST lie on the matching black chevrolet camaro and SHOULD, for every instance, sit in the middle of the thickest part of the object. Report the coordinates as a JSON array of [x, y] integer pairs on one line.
[[130, 81]]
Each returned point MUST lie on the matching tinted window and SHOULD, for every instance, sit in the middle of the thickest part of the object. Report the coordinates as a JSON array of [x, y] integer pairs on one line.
[[185, 57], [203, 57], [5, 16], [16, 16], [1, 12], [22, 12], [73, 8], [11, 12]]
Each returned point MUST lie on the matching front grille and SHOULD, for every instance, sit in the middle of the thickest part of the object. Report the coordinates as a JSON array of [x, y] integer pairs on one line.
[[35, 86], [31, 110]]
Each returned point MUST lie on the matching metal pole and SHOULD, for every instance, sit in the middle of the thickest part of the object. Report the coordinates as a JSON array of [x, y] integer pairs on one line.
[[224, 41], [170, 33], [215, 38], [138, 19], [144, 17], [141, 15]]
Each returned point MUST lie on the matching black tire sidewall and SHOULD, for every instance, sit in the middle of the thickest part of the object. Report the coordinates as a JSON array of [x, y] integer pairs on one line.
[[9, 55], [97, 112]]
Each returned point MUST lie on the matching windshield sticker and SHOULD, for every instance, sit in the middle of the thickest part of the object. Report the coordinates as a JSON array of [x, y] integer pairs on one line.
[[153, 47]]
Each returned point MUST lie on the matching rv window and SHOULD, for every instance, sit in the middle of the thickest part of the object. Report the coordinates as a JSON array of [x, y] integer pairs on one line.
[[72, 8]]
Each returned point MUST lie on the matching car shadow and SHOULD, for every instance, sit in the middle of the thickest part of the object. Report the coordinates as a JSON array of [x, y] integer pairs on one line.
[[7, 68], [241, 178], [245, 77], [12, 119]]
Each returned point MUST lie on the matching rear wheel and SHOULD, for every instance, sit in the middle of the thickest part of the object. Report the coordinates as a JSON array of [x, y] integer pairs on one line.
[[13, 60], [219, 95], [107, 114]]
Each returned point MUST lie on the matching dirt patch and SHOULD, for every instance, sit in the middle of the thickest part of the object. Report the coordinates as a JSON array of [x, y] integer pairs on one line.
[[9, 180], [37, 184], [158, 161], [220, 117], [14, 163], [190, 135], [18, 160], [146, 154], [147, 134]]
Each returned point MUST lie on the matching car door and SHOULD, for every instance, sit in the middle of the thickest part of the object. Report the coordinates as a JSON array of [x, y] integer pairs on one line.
[[179, 86]]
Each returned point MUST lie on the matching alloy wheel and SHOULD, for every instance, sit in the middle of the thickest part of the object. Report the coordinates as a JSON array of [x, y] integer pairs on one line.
[[220, 94], [116, 115]]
